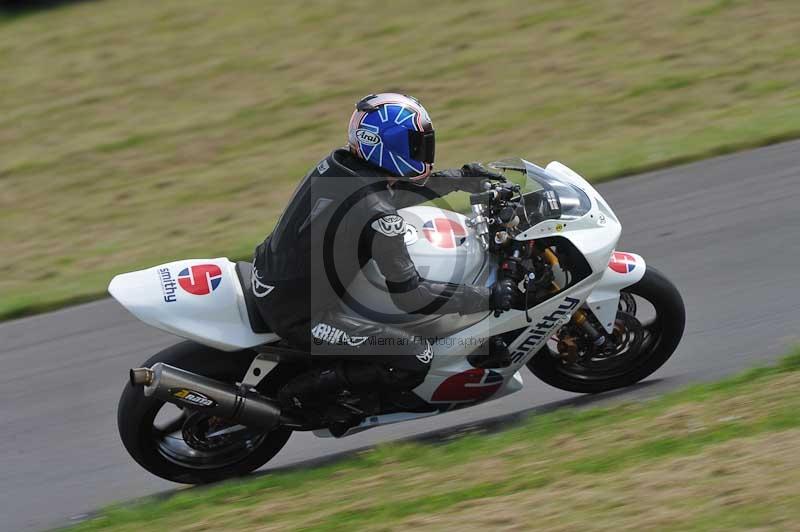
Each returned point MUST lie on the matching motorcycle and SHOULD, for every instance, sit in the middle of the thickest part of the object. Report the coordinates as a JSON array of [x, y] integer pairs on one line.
[[591, 319]]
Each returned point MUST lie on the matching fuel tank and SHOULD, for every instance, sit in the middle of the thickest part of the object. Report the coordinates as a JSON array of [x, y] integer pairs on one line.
[[443, 249]]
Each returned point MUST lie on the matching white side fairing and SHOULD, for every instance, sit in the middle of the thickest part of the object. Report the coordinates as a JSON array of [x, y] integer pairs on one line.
[[452, 380], [197, 299], [624, 269], [595, 234]]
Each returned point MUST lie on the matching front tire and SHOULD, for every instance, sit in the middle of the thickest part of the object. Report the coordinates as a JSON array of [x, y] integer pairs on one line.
[[145, 443], [666, 332]]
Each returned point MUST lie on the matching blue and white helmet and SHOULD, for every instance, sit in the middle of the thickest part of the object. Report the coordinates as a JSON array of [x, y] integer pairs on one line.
[[393, 131]]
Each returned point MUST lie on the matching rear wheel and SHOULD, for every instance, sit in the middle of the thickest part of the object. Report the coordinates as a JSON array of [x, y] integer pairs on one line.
[[187, 446], [648, 328]]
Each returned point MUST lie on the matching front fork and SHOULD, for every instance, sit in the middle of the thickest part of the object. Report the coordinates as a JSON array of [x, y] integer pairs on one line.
[[580, 317]]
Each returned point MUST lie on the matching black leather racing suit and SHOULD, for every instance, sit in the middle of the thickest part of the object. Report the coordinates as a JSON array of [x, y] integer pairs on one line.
[[342, 215]]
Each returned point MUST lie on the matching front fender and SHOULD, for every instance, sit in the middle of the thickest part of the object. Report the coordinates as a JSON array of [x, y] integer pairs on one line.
[[624, 269]]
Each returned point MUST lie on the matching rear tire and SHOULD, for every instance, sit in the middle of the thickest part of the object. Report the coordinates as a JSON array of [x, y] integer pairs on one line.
[[665, 298], [136, 414]]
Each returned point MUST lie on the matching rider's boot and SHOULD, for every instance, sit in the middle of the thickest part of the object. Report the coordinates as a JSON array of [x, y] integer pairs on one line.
[[344, 394], [309, 388], [320, 392]]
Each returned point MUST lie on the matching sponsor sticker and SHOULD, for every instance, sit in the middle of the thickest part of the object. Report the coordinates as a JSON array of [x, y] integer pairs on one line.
[[552, 199], [390, 225], [468, 386], [259, 289], [622, 262], [168, 285], [365, 136], [426, 356], [537, 334], [444, 232], [324, 333], [194, 398], [201, 279]]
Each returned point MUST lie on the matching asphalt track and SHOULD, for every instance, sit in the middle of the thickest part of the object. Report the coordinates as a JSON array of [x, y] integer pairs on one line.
[[726, 230]]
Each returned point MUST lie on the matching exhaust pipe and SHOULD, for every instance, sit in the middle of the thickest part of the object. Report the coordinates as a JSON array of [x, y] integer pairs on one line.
[[184, 388]]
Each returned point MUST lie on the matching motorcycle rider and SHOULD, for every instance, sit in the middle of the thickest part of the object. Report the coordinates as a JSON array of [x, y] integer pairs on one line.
[[342, 214]]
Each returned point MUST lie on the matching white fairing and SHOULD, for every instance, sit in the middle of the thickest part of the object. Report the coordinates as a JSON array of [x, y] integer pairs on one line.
[[604, 299], [443, 249], [197, 299], [595, 234], [202, 299]]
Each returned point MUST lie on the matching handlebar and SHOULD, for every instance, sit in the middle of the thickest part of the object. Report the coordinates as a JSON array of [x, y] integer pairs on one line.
[[479, 203], [490, 196]]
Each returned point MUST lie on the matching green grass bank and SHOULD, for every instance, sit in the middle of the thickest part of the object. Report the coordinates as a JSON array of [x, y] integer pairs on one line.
[[712, 456], [133, 133]]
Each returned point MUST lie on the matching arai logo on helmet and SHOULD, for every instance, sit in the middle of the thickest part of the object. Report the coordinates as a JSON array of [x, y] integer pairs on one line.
[[367, 137]]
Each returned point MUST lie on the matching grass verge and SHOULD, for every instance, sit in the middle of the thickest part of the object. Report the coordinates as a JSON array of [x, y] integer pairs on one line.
[[135, 133], [720, 455]]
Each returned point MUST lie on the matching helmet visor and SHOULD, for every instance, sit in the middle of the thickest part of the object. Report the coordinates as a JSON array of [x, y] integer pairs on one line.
[[422, 145]]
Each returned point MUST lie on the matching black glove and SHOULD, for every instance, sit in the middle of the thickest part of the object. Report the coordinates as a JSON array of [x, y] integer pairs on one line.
[[478, 170], [473, 175], [504, 295], [470, 177]]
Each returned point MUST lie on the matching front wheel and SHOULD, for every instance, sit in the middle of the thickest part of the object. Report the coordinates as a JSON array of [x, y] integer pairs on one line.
[[647, 331], [185, 446]]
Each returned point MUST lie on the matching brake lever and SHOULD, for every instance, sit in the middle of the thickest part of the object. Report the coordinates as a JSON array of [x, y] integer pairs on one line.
[[524, 209], [529, 278]]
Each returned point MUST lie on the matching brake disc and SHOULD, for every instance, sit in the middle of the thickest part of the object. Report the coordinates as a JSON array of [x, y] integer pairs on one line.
[[627, 303], [628, 335]]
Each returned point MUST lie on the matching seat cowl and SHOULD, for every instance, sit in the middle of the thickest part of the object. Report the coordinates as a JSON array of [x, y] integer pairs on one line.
[[196, 299]]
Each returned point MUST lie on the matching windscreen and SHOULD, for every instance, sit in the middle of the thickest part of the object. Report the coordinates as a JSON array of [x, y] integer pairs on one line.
[[545, 195]]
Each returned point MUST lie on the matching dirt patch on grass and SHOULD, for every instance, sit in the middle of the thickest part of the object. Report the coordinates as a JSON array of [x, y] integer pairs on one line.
[[746, 483]]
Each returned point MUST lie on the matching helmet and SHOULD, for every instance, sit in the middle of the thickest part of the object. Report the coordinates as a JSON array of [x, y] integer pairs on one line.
[[393, 131]]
